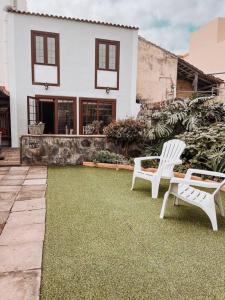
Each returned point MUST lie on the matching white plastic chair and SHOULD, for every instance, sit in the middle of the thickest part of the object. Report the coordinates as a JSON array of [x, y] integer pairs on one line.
[[182, 189], [169, 157]]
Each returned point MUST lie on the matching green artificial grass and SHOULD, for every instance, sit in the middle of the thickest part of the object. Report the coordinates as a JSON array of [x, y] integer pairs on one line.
[[104, 241]]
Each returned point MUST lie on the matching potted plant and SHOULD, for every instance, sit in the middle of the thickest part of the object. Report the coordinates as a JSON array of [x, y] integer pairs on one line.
[[36, 128]]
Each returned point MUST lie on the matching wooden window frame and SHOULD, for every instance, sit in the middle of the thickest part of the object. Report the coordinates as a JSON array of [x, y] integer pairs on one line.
[[117, 69], [95, 100], [45, 35], [55, 100]]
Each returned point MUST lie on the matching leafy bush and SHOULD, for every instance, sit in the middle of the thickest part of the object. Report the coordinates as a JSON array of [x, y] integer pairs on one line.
[[105, 156], [205, 147], [125, 132], [184, 115]]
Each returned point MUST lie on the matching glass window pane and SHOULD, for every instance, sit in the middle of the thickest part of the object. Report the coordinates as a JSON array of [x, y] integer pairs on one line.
[[51, 50], [112, 57], [102, 56], [89, 116], [105, 115], [39, 46], [65, 117]]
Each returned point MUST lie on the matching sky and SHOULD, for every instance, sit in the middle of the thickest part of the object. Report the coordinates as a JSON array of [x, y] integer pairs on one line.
[[167, 23]]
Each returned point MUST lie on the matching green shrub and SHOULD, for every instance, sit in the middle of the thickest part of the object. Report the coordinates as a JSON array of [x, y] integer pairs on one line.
[[125, 132], [184, 115], [105, 156], [205, 147]]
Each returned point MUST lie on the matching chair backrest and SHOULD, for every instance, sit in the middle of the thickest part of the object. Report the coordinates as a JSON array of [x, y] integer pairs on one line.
[[170, 156]]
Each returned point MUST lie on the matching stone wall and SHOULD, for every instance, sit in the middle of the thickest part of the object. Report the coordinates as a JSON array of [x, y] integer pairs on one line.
[[60, 149]]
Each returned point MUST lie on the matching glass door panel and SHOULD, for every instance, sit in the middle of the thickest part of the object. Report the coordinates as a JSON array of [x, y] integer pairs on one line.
[[104, 115], [66, 116], [89, 115]]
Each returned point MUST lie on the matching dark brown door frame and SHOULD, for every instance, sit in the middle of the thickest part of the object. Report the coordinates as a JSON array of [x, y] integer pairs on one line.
[[55, 100]]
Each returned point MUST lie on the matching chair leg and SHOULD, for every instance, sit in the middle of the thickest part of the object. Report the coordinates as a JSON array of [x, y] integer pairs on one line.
[[211, 212], [155, 189], [176, 201], [133, 181], [219, 203], [165, 199]]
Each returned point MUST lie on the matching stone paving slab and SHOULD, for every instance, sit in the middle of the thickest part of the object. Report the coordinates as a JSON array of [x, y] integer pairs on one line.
[[36, 176], [26, 217], [5, 205], [22, 228], [3, 217], [4, 168], [23, 285], [7, 196], [20, 257], [10, 182], [22, 234], [28, 195], [3, 172], [32, 182], [17, 172], [12, 177], [9, 189], [31, 204], [25, 188], [20, 168]]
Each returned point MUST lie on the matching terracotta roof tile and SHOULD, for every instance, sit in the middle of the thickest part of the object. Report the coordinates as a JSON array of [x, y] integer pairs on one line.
[[13, 10]]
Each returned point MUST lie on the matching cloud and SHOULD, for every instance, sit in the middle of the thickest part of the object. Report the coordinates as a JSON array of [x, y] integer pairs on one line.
[[167, 23]]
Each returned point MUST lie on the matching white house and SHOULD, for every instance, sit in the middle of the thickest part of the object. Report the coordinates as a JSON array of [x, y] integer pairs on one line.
[[65, 72]]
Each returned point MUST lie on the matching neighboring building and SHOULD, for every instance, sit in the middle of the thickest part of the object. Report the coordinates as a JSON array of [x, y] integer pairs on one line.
[[191, 80], [207, 48], [163, 76], [157, 72], [66, 72]]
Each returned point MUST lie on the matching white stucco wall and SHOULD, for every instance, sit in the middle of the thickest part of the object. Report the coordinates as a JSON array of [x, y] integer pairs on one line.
[[19, 4], [77, 65]]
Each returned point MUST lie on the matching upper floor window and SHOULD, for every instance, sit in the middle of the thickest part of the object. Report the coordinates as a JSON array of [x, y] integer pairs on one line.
[[107, 59], [45, 48], [107, 55], [45, 52]]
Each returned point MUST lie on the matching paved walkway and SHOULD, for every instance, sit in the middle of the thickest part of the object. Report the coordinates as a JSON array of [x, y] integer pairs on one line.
[[11, 157], [22, 228]]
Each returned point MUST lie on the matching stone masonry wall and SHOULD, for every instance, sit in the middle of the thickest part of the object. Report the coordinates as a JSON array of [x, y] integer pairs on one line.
[[60, 149]]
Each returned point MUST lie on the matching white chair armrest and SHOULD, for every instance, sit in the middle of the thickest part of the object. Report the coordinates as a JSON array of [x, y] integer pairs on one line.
[[146, 158], [203, 172], [206, 184], [138, 160]]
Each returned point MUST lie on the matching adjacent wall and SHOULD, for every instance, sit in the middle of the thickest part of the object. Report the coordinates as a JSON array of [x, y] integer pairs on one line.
[[157, 72], [207, 47]]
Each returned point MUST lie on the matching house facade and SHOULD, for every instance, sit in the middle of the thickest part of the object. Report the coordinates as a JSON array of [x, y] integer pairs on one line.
[[67, 73]]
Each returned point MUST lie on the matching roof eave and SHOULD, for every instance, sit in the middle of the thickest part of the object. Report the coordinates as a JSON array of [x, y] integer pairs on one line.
[[10, 9]]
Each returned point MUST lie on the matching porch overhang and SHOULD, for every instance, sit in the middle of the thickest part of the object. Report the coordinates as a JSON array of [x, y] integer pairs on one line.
[[198, 78]]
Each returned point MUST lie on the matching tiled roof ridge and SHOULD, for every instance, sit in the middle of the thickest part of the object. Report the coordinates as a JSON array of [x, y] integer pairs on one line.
[[39, 14]]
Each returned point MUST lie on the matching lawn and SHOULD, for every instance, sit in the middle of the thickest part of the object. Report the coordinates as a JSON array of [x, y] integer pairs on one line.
[[104, 241]]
